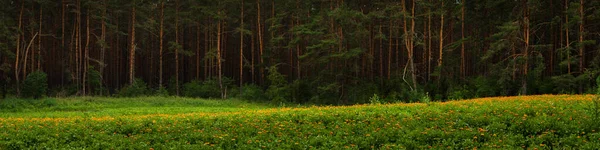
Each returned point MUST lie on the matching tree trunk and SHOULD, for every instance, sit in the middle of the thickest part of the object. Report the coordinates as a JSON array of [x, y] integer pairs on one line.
[[40, 40], [161, 41], [198, 52], [18, 50], [242, 48], [260, 43], [219, 57], [429, 45], [252, 58], [412, 46], [389, 65], [177, 48], [132, 46], [462, 47], [581, 34], [526, 49], [86, 55], [440, 59], [568, 49], [581, 45]]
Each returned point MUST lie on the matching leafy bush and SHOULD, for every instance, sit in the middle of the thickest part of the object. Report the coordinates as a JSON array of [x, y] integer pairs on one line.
[[598, 84], [162, 91], [484, 87], [252, 92], [35, 85], [172, 86], [278, 91], [459, 93], [208, 88], [94, 80], [138, 88], [375, 100], [193, 89]]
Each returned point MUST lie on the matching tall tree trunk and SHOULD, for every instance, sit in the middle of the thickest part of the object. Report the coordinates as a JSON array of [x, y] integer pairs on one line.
[[62, 37], [412, 46], [568, 49], [103, 44], [429, 45], [40, 40], [18, 50], [581, 45], [526, 49], [198, 52], [87, 54], [252, 58], [581, 34], [219, 57], [78, 48], [161, 41], [389, 65], [242, 48], [132, 46], [440, 59], [177, 48], [260, 42], [462, 47]]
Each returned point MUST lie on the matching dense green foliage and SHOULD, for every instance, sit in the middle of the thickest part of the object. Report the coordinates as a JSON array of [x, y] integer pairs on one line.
[[35, 85], [138, 88], [529, 122]]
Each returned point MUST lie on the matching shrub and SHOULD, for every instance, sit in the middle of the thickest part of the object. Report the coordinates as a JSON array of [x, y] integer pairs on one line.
[[375, 100], [252, 92], [162, 91], [35, 85], [138, 88], [210, 88], [193, 89], [598, 84], [94, 80], [278, 91]]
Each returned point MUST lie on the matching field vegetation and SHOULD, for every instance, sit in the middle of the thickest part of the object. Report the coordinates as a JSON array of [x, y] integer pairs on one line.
[[543, 122]]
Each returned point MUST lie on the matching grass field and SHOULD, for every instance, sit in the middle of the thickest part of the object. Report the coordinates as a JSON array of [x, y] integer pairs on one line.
[[542, 122]]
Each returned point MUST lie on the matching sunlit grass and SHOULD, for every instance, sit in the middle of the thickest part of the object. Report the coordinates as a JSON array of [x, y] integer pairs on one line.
[[530, 122]]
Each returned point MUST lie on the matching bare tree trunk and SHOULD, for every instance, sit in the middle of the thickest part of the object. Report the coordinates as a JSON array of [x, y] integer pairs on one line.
[[161, 40], [260, 43], [62, 37], [86, 55], [18, 50], [581, 45], [389, 67], [78, 49], [526, 49], [198, 52], [252, 58], [219, 57], [567, 36], [132, 46], [581, 34], [242, 48], [440, 59], [429, 43], [103, 44], [462, 49], [40, 40], [412, 46], [177, 49]]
